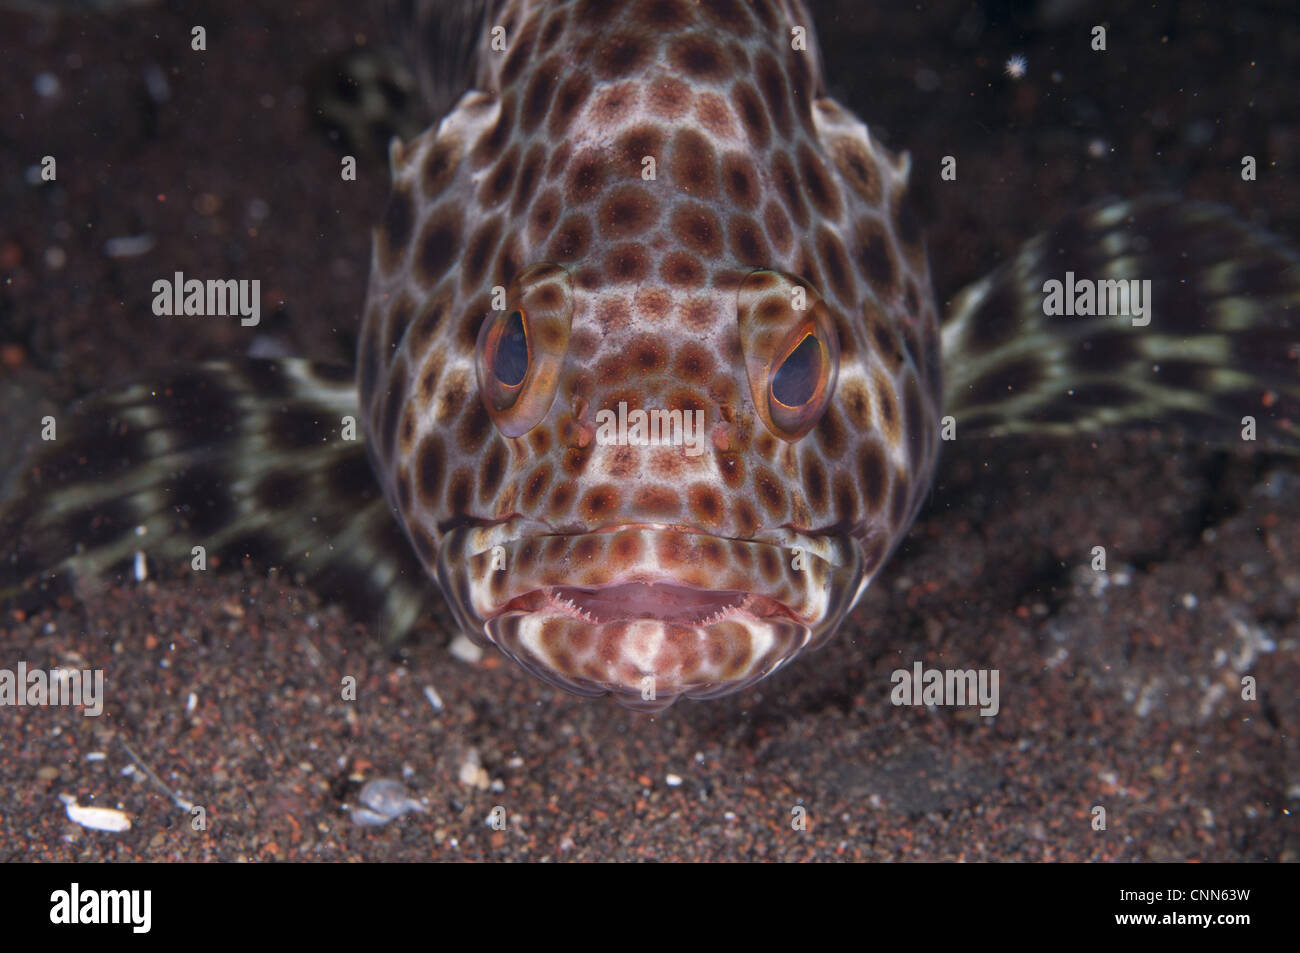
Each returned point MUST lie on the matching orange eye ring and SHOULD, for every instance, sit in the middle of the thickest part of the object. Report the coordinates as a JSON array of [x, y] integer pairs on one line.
[[504, 343], [521, 349], [791, 402], [792, 354]]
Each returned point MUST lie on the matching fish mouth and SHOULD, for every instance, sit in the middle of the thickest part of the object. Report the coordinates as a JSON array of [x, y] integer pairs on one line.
[[663, 602], [647, 613]]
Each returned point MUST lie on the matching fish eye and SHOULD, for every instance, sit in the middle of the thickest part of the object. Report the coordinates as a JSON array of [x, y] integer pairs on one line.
[[522, 348], [510, 359], [791, 351], [795, 381]]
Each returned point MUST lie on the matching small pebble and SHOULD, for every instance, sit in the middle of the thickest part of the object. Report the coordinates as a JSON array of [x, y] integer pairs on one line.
[[472, 773], [465, 650], [382, 800]]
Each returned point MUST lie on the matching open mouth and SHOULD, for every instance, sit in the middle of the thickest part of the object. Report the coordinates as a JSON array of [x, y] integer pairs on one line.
[[661, 602], [647, 613]]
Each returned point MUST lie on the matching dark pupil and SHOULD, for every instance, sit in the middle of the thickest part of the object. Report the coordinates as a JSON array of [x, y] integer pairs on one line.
[[796, 379], [510, 363]]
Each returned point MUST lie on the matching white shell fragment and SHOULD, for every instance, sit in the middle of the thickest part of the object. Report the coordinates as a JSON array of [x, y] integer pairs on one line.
[[472, 774], [465, 650], [382, 800], [96, 818]]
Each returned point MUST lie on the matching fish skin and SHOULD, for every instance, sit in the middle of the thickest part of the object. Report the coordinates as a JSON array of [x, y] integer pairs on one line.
[[261, 440]]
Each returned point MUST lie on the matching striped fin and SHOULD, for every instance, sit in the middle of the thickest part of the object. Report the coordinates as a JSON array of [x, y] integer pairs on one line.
[[1223, 340], [245, 459], [442, 39]]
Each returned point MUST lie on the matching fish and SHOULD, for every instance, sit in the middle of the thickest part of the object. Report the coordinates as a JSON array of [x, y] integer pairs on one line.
[[652, 379]]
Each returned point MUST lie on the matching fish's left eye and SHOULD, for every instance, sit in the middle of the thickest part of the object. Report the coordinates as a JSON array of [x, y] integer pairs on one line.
[[791, 350], [521, 349]]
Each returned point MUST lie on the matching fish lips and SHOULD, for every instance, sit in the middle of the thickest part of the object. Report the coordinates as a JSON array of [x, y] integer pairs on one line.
[[648, 613]]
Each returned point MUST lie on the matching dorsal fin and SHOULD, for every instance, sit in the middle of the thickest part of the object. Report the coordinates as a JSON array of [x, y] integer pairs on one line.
[[441, 40]]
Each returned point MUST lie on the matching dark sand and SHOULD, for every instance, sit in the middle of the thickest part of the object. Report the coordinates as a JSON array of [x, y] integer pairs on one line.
[[1125, 696]]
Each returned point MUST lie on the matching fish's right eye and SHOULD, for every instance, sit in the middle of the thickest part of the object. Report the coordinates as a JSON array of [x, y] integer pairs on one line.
[[521, 349], [509, 350]]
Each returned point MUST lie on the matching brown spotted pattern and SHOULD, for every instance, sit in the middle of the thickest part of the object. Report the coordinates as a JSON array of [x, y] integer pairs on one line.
[[646, 158]]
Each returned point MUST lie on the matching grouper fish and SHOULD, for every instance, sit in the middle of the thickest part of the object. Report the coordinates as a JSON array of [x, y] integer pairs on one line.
[[651, 377]]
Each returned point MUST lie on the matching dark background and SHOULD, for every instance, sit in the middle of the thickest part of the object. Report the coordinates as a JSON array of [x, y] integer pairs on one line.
[[1125, 697]]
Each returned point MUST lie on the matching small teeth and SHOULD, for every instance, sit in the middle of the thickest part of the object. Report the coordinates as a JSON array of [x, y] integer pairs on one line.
[[573, 607], [577, 611], [715, 618]]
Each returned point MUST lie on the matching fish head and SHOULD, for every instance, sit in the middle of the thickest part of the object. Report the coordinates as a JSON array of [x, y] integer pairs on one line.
[[652, 446], [650, 535], [656, 509]]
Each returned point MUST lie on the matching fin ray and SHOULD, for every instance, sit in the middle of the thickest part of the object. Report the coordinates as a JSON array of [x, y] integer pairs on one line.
[[242, 458], [1222, 342]]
